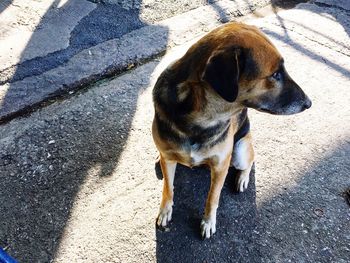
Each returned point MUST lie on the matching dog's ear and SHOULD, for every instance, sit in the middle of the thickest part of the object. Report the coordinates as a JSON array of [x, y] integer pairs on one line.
[[222, 73]]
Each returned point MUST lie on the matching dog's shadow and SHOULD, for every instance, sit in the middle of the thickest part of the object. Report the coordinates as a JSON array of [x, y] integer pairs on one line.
[[236, 220]]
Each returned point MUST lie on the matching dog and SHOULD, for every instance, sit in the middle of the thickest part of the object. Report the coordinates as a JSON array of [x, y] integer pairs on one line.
[[201, 103]]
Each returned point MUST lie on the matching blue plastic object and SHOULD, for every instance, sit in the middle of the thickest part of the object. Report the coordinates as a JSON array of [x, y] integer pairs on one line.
[[5, 258]]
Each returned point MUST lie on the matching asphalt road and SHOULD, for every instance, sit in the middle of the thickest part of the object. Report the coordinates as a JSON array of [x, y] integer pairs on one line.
[[78, 180]]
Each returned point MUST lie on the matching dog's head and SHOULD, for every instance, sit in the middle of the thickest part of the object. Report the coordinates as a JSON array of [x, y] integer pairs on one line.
[[246, 68]]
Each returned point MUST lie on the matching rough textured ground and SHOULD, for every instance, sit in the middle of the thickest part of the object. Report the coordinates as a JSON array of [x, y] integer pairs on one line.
[[52, 48], [78, 184], [42, 35], [29, 28]]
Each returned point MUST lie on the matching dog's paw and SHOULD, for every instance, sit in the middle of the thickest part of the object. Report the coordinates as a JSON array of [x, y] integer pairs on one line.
[[242, 182], [164, 216], [208, 227]]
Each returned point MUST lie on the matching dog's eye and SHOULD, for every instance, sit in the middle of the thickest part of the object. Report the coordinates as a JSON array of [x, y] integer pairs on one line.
[[277, 76]]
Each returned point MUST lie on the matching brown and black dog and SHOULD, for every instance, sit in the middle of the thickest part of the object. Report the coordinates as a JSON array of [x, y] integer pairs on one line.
[[201, 103]]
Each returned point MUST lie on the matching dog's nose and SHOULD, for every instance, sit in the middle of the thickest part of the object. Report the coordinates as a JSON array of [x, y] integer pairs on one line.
[[307, 103]]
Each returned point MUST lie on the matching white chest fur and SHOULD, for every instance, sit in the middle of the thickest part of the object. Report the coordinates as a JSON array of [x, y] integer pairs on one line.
[[219, 152]]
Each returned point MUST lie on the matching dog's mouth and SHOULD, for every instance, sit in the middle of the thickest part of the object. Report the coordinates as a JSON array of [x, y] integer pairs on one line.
[[283, 111], [268, 111], [263, 109], [274, 112], [277, 109]]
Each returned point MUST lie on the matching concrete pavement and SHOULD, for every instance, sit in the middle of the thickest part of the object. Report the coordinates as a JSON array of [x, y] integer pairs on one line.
[[78, 182], [53, 48]]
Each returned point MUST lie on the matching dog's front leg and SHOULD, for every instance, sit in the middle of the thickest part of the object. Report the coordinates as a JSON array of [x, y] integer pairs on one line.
[[242, 160], [218, 175], [166, 205]]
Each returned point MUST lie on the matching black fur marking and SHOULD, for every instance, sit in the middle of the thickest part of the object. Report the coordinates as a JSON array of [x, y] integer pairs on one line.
[[222, 73], [198, 137], [249, 67], [202, 137], [165, 92], [165, 95], [167, 132], [221, 137], [243, 124]]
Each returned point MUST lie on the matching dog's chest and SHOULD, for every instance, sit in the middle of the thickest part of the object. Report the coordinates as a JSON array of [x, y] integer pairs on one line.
[[216, 154], [197, 157]]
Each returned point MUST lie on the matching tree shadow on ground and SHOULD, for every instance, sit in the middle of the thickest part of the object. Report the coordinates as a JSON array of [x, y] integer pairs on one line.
[[336, 14], [236, 221], [302, 223], [105, 22], [55, 60], [4, 4], [306, 223], [43, 171]]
